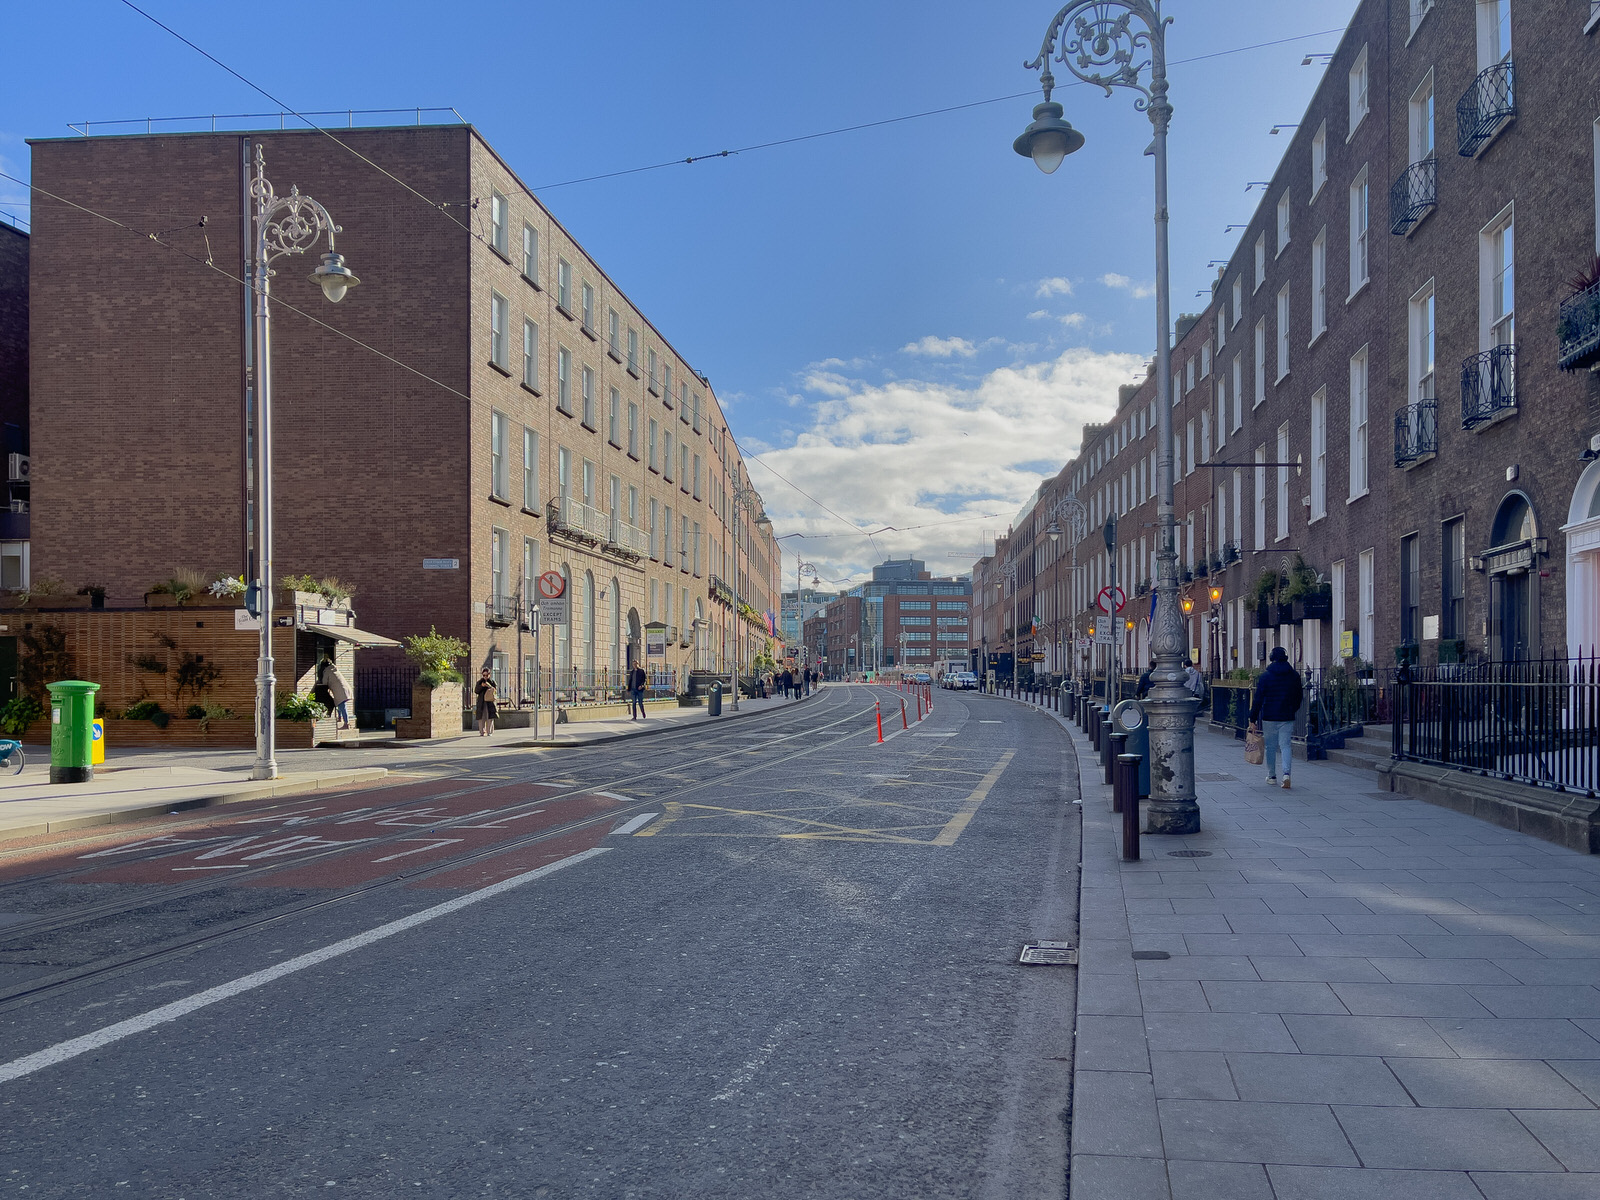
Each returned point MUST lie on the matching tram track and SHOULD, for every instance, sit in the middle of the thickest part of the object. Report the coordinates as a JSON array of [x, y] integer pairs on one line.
[[43, 987]]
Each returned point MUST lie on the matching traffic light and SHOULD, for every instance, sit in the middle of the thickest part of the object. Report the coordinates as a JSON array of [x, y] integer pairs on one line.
[[252, 598]]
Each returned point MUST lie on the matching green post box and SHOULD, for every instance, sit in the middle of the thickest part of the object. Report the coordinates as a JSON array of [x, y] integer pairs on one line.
[[72, 731]]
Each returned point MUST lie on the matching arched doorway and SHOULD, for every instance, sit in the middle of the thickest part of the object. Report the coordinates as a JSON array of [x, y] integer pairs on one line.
[[1583, 563], [615, 589], [1513, 586], [588, 627]]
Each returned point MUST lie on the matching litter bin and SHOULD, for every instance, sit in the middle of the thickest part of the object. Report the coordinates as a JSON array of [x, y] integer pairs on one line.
[[1129, 717], [72, 731], [714, 700]]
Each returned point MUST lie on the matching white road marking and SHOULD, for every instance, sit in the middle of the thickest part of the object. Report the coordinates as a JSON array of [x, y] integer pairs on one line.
[[616, 796], [433, 845], [748, 1072], [982, 722], [73, 1047], [638, 822], [933, 735]]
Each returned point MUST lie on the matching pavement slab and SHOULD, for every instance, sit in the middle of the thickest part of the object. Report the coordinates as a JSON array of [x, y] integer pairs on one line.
[[1402, 1005]]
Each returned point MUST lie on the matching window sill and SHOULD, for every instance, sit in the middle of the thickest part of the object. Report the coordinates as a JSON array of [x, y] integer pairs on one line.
[[564, 312], [500, 500], [1426, 213], [528, 512], [530, 389], [1483, 147], [1361, 495], [1360, 121], [565, 412], [1282, 246], [613, 443], [653, 469], [532, 282], [590, 333], [1317, 190], [1593, 23], [633, 456], [499, 368], [588, 426], [614, 356], [1359, 288], [498, 253], [1279, 380], [652, 389], [633, 370], [1317, 337]]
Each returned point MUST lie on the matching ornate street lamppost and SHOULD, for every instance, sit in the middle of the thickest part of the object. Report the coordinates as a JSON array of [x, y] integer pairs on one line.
[[1110, 43], [282, 225]]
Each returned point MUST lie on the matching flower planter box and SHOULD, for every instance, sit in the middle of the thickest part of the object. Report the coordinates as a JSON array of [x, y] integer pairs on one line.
[[435, 712], [160, 600], [301, 735], [45, 603]]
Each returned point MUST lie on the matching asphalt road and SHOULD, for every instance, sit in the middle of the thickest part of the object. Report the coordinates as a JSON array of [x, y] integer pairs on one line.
[[793, 973]]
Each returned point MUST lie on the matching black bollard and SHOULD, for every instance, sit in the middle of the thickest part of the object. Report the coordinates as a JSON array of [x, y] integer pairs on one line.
[[1105, 748], [1119, 743], [1127, 785]]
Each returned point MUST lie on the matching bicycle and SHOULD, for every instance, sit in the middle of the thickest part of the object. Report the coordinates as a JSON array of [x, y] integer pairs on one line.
[[11, 756]]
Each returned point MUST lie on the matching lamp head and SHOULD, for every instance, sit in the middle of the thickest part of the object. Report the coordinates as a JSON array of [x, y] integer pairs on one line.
[[1216, 594], [335, 278], [1188, 605], [1054, 531], [1049, 139]]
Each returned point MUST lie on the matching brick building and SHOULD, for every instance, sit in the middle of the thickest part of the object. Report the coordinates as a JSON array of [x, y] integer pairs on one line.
[[1357, 394], [507, 408], [14, 517], [904, 617]]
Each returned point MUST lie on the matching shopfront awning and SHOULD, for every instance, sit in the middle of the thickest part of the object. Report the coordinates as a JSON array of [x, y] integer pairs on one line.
[[359, 638]]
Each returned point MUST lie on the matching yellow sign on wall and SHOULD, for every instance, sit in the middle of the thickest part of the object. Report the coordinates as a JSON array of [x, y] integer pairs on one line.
[[1347, 644]]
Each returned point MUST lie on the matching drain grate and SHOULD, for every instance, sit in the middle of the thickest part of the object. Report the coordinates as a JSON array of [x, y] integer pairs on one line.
[[1151, 954], [1188, 854], [1049, 954]]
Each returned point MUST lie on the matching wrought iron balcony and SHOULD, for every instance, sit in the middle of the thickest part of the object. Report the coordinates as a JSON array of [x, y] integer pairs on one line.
[[1484, 109], [500, 610], [1488, 386], [627, 539], [577, 520], [1413, 195], [1416, 433], [1578, 329]]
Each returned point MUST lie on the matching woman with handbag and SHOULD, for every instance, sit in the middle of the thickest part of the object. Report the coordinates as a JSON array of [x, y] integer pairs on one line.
[[1272, 711], [487, 703]]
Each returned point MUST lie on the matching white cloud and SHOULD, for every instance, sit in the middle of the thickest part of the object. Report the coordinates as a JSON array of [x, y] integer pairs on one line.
[[1072, 320], [915, 453], [938, 347], [1056, 286], [1139, 291], [1039, 314]]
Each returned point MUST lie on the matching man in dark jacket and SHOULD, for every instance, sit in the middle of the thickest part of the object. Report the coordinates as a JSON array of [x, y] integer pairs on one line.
[[636, 682], [1277, 700]]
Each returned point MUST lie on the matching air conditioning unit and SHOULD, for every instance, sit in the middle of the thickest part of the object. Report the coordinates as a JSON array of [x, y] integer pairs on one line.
[[19, 506], [19, 467]]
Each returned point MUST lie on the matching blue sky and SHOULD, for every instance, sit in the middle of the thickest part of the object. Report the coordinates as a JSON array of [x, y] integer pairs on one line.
[[909, 322]]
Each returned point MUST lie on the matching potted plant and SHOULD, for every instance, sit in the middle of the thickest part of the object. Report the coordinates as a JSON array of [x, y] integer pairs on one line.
[[302, 723], [436, 704], [184, 585], [96, 592], [1267, 599], [51, 591], [1309, 595]]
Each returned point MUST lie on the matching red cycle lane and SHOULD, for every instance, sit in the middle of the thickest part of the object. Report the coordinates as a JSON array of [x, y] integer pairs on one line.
[[347, 839]]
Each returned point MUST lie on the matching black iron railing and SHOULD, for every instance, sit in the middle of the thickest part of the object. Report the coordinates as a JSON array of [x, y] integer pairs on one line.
[[385, 688], [1413, 195], [1416, 433], [1578, 328], [1484, 108], [500, 610], [1488, 386], [1535, 722]]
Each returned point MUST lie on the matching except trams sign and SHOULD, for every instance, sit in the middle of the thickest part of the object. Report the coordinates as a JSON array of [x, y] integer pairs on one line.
[[554, 606]]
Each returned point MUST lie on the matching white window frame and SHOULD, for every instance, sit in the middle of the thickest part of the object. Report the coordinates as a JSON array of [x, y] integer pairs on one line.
[[1261, 364], [1497, 300], [499, 455], [530, 253], [1261, 497], [1419, 10], [1337, 584], [1222, 328], [1360, 93], [1360, 402], [1238, 392], [500, 224], [1285, 211], [1283, 483], [1366, 597], [1261, 261], [1421, 133], [530, 355], [1319, 159], [564, 286], [530, 469], [1319, 285], [1494, 42], [1283, 334], [1319, 454], [1238, 298], [586, 298], [1422, 345], [1205, 359], [499, 330], [564, 380], [1222, 410], [588, 418], [1360, 231]]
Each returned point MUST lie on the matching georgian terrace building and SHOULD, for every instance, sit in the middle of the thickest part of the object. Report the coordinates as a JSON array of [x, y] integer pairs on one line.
[[502, 410], [1391, 379]]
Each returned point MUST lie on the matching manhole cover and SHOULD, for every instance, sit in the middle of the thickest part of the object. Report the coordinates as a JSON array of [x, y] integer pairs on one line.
[[1151, 954], [1188, 854], [1049, 954]]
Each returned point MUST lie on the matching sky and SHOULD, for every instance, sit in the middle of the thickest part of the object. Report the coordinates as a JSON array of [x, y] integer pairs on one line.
[[907, 324]]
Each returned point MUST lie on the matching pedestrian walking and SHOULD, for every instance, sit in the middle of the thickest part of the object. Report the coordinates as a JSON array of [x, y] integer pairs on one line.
[[1142, 688], [1273, 708], [1193, 681], [788, 684], [332, 691], [488, 703], [636, 680]]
